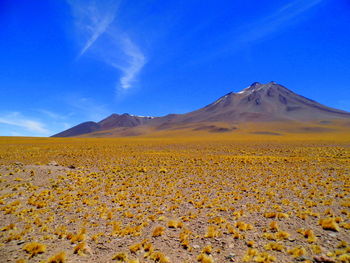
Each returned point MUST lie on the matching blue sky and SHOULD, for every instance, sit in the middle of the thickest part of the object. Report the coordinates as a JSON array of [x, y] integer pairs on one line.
[[65, 62]]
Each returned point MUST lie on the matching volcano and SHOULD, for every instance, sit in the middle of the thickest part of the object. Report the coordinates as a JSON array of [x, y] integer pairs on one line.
[[259, 102], [263, 102]]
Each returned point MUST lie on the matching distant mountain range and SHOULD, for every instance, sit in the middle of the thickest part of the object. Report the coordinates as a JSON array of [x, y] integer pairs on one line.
[[257, 103]]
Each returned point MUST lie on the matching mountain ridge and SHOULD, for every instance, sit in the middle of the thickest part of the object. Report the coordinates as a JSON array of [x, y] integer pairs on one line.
[[256, 103], [112, 121]]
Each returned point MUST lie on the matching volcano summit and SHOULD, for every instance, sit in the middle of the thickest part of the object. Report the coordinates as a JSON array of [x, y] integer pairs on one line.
[[269, 102]]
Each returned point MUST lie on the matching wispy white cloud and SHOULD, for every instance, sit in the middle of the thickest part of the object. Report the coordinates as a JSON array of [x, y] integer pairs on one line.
[[66, 125], [53, 115], [276, 21], [133, 62], [94, 19], [87, 107], [57, 121], [16, 119], [257, 30], [16, 134]]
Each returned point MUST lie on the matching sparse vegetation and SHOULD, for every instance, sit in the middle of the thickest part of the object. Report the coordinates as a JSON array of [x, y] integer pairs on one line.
[[194, 199]]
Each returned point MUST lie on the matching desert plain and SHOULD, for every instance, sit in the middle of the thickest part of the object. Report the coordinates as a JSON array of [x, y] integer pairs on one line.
[[236, 196]]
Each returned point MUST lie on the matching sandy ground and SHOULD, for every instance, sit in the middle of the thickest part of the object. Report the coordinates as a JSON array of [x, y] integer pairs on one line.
[[238, 193]]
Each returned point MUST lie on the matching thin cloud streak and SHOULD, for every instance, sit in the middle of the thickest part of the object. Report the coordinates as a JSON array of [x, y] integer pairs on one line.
[[88, 107], [53, 115], [248, 34], [276, 21], [92, 19], [16, 119], [96, 32], [135, 60], [114, 48]]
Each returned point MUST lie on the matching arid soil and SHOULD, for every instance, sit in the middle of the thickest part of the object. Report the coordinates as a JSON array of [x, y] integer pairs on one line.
[[166, 200]]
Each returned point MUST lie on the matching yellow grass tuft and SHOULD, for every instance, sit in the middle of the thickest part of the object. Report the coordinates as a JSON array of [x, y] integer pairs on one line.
[[9, 227], [329, 224], [274, 226], [34, 248], [148, 247], [297, 252], [274, 246], [212, 231], [207, 249], [158, 231], [58, 258], [250, 243], [136, 247], [79, 237], [264, 258], [243, 226], [82, 249], [120, 257], [309, 234], [204, 258], [159, 257], [175, 224]]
